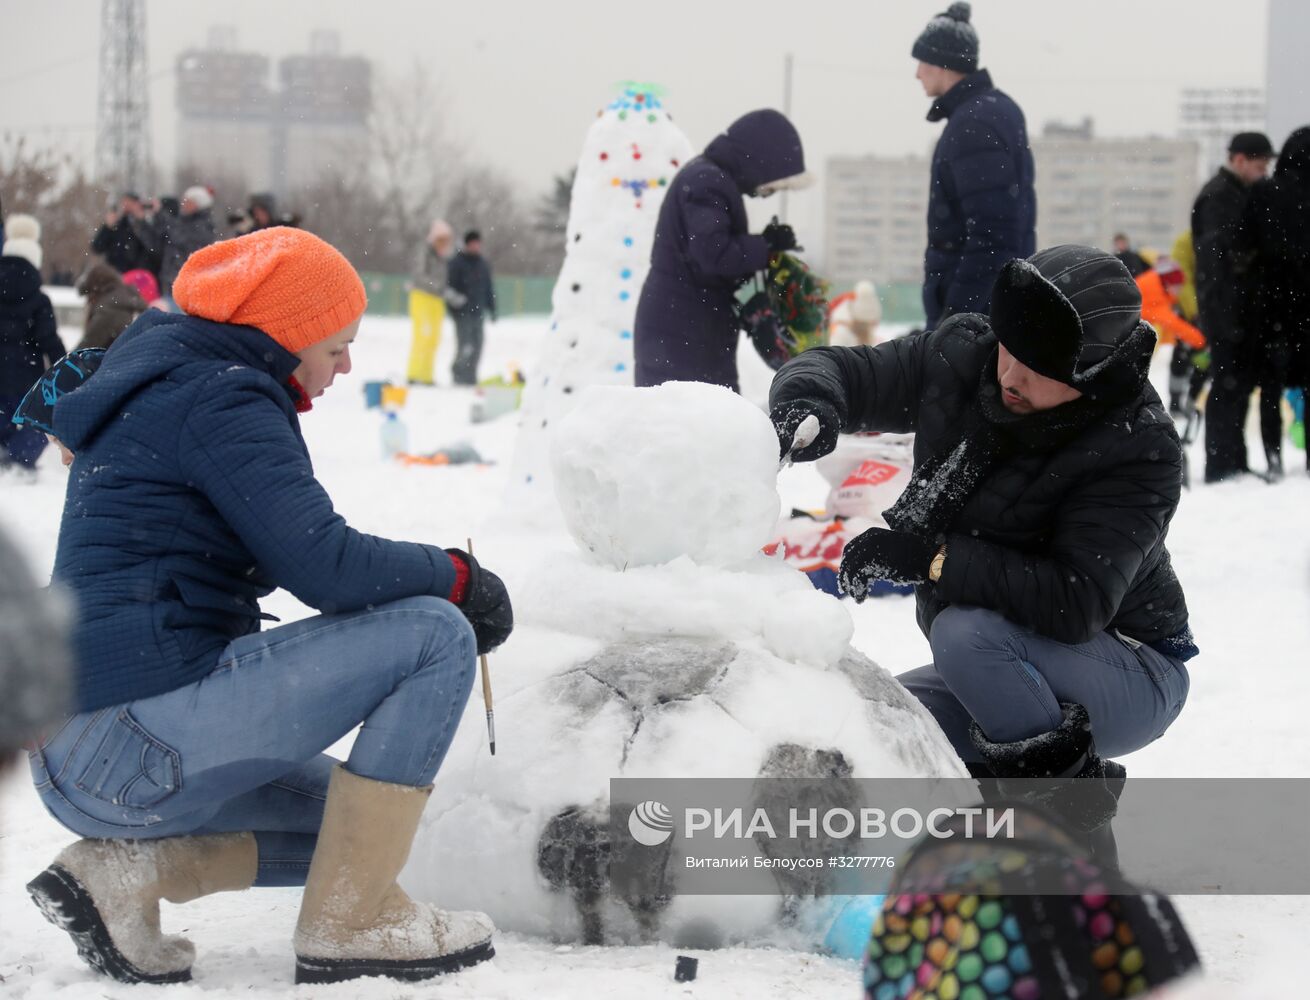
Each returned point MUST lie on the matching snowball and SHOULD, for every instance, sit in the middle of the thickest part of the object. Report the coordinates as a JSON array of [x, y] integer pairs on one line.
[[644, 476]]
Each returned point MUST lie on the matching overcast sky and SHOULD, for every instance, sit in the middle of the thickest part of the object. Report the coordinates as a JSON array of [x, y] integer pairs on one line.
[[525, 78]]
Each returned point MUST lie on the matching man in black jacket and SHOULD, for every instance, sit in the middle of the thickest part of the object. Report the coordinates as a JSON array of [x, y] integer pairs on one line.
[[117, 241], [172, 238], [1216, 216], [1273, 258], [469, 275], [1046, 474], [982, 210]]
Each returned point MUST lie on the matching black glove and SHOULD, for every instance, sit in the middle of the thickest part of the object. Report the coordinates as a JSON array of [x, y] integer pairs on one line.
[[485, 605], [787, 417], [779, 236], [882, 554]]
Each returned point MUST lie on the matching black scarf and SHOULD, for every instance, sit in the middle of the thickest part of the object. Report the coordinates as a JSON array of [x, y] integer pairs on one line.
[[943, 484]]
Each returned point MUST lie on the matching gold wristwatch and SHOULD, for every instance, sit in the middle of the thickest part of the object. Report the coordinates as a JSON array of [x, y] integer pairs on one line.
[[938, 561]]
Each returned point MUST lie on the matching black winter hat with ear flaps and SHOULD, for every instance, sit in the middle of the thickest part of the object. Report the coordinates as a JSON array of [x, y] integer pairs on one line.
[[1074, 314]]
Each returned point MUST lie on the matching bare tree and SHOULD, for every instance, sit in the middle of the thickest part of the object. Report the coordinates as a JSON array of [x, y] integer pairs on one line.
[[413, 155], [56, 190], [377, 203], [481, 199]]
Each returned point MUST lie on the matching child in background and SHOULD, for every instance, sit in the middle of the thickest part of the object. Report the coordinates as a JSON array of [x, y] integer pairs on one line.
[[29, 339], [853, 318], [111, 305]]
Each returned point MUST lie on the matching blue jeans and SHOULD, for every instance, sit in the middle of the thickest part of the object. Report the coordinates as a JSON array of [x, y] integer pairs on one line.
[[242, 749], [1011, 680]]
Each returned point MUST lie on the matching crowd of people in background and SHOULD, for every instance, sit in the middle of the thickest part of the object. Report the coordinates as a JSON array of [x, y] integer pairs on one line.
[[133, 260], [1232, 296]]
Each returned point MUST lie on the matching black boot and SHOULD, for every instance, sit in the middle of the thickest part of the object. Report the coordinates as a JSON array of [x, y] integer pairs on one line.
[[1067, 751], [1274, 464]]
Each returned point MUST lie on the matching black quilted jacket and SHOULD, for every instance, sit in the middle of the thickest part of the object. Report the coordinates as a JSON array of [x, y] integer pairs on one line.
[[1069, 543]]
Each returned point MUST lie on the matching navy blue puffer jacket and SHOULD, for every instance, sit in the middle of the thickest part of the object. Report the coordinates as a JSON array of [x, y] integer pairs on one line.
[[982, 210], [191, 497], [29, 340], [686, 326]]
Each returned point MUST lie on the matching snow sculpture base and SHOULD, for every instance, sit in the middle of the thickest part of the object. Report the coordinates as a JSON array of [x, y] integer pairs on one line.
[[701, 658]]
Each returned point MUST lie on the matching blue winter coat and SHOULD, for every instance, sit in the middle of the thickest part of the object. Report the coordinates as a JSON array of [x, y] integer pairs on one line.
[[29, 339], [686, 326], [982, 210], [191, 497]]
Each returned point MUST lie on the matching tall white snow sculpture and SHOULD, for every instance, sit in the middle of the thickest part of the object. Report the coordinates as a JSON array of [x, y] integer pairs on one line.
[[629, 156]]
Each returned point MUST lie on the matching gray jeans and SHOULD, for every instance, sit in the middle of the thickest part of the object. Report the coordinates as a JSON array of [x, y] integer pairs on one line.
[[468, 336], [1012, 681]]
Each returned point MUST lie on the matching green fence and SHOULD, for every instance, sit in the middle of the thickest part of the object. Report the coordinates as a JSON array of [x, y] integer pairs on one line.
[[387, 295], [901, 302]]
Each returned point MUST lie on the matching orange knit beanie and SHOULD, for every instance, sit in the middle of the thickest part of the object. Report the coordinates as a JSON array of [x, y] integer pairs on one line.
[[287, 282]]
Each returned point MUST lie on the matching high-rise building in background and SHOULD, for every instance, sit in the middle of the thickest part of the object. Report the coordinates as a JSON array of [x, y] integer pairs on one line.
[[1088, 189], [236, 126], [226, 110], [1287, 71], [325, 103], [875, 211], [1213, 115]]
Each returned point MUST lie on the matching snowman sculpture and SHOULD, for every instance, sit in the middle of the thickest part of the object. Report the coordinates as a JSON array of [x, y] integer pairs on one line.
[[629, 156], [666, 644]]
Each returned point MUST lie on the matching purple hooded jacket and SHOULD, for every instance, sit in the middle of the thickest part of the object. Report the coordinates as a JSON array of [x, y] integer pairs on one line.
[[687, 327]]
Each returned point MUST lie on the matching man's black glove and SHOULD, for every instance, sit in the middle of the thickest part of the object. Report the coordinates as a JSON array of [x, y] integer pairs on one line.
[[485, 603], [787, 417], [779, 236], [882, 554]]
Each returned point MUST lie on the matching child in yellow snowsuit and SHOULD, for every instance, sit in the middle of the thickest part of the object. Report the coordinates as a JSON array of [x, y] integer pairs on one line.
[[428, 297]]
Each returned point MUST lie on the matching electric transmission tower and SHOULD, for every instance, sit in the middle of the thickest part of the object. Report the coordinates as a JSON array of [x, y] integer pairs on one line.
[[123, 115]]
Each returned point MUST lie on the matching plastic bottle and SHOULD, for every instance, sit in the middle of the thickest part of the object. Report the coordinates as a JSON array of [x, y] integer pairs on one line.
[[395, 436]]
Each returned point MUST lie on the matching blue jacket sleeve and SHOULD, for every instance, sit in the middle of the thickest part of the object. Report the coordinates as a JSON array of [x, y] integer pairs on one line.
[[984, 175], [712, 246], [237, 448]]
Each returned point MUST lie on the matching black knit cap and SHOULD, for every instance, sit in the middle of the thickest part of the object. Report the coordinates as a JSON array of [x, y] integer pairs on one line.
[[1074, 314], [1252, 144], [949, 40]]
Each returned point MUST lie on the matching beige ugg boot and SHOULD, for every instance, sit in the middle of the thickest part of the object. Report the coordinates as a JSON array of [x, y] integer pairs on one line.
[[354, 919], [106, 893]]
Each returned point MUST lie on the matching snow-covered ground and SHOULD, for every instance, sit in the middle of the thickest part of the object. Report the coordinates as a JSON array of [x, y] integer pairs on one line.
[[1240, 550]]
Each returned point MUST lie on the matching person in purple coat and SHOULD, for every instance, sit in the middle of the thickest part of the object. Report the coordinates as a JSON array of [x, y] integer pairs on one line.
[[687, 326]]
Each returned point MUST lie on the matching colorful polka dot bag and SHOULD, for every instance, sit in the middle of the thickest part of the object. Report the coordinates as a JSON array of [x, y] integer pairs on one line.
[[979, 936]]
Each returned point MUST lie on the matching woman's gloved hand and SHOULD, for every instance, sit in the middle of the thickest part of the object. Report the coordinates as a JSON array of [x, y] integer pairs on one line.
[[481, 595]]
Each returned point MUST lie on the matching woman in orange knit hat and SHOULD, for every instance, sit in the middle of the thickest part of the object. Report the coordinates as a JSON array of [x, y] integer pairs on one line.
[[194, 762]]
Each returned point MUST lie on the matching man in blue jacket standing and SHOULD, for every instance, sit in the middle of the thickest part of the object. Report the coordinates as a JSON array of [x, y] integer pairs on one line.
[[982, 210]]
